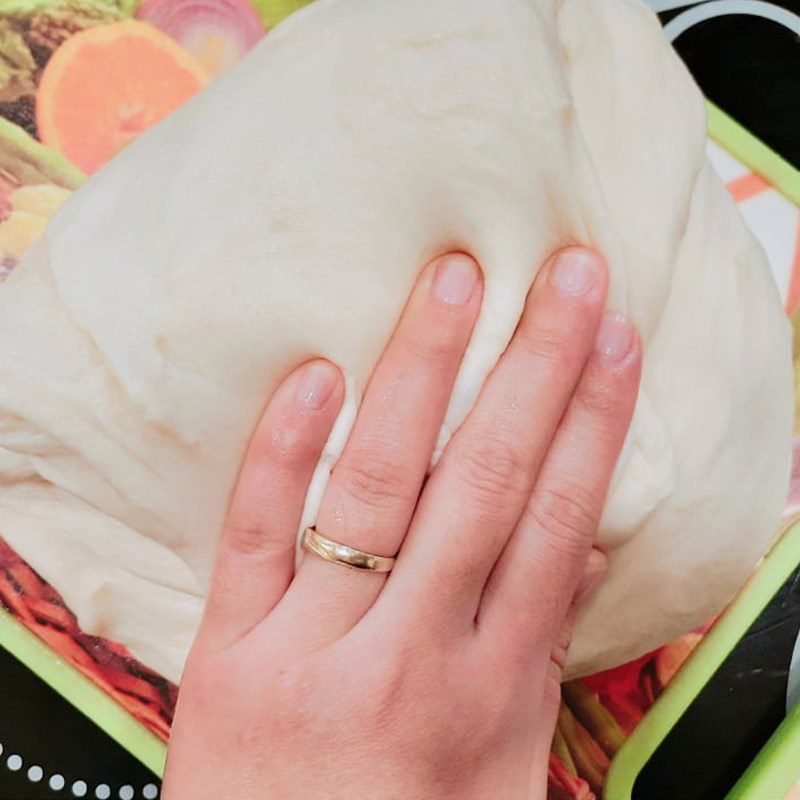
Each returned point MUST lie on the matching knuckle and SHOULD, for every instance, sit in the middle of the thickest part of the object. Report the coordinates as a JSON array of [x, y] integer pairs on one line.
[[245, 535], [286, 446], [293, 703], [567, 517], [598, 397], [435, 350], [492, 470], [377, 482], [387, 699], [551, 346]]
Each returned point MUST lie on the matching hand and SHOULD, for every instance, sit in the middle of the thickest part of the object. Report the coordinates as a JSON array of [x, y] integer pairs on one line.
[[441, 681]]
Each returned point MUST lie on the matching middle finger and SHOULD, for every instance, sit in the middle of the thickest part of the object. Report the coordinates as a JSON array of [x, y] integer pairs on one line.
[[480, 487]]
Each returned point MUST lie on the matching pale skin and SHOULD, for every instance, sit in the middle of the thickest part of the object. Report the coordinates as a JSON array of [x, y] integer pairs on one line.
[[442, 679]]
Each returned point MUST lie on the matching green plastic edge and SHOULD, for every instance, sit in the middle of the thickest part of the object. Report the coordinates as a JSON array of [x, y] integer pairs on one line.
[[686, 685], [741, 144], [273, 11], [82, 693], [774, 770]]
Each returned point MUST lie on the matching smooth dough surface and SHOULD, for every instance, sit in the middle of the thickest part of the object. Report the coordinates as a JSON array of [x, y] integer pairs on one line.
[[284, 213]]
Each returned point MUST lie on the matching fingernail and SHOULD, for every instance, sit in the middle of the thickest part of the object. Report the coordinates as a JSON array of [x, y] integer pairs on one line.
[[574, 272], [615, 337], [455, 279], [316, 385]]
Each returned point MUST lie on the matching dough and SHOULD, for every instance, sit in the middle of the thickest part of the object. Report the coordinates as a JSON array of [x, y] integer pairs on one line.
[[284, 213]]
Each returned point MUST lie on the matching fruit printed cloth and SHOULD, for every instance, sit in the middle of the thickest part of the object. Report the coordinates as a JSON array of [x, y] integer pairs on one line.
[[79, 81]]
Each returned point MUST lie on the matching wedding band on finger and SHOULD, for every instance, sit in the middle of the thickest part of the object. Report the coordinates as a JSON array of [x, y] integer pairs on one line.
[[336, 553]]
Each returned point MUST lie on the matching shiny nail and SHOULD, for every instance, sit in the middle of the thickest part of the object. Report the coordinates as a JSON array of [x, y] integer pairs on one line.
[[615, 337], [316, 385], [455, 279], [574, 272]]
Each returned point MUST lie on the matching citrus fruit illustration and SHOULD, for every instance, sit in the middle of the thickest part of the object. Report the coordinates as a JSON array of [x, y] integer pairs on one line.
[[105, 86]]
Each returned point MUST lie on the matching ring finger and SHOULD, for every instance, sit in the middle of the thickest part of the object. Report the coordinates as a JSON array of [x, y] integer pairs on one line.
[[374, 488]]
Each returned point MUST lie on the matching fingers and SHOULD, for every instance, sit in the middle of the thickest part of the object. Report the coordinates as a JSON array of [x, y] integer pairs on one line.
[[536, 577], [374, 488], [255, 559], [479, 489], [593, 572], [551, 696]]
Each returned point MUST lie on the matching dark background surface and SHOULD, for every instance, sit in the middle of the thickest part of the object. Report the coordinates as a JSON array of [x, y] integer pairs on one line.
[[42, 728], [734, 715], [750, 67]]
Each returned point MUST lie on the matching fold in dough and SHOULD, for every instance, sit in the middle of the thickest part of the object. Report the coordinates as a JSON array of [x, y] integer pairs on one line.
[[284, 213]]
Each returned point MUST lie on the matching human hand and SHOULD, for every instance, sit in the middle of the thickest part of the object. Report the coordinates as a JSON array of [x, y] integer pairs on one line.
[[441, 681]]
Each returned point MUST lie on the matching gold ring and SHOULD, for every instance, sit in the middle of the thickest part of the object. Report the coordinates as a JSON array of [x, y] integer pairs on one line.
[[337, 553]]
